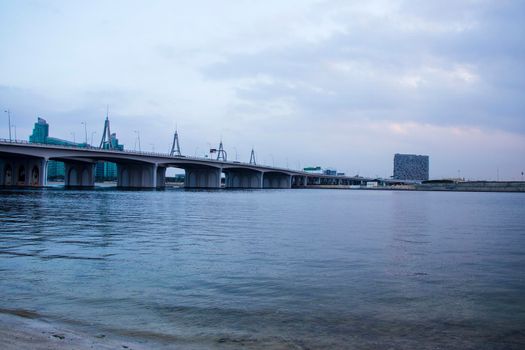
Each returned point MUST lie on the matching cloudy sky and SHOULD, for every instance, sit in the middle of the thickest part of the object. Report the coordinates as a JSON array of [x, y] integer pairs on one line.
[[342, 84]]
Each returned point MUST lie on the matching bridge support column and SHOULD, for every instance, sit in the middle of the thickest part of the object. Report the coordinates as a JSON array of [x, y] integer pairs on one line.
[[277, 180], [2, 172], [299, 181], [78, 174], [244, 179], [161, 177], [202, 178], [140, 175], [23, 172]]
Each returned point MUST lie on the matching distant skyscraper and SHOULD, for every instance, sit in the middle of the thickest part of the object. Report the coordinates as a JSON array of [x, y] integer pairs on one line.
[[40, 132], [410, 167], [55, 169]]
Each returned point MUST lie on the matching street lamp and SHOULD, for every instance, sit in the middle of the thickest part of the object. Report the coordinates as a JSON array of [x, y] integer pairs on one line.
[[92, 133], [138, 138], [85, 131], [14, 127], [73, 134], [9, 121]]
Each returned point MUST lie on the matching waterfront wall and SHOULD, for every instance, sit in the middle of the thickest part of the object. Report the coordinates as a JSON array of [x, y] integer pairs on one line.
[[475, 186]]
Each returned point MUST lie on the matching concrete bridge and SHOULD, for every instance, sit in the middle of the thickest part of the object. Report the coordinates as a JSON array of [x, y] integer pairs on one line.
[[25, 164]]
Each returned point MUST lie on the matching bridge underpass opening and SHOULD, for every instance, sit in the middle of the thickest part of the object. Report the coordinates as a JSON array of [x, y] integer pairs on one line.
[[105, 171]]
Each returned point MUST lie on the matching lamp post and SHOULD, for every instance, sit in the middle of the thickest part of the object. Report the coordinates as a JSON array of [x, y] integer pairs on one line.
[[74, 139], [14, 127], [138, 138], [85, 131], [92, 133], [9, 121]]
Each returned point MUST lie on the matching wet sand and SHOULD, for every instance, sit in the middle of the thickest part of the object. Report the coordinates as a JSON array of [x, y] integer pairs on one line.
[[20, 330]]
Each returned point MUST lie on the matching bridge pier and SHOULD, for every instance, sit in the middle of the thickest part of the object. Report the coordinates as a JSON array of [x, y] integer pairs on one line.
[[277, 180], [79, 174], [23, 172], [244, 179], [140, 175], [299, 181], [202, 177]]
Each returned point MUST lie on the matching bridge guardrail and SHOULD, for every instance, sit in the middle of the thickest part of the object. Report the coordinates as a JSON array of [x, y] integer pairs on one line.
[[166, 155], [142, 153]]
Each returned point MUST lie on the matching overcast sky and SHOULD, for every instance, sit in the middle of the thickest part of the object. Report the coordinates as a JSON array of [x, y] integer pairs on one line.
[[343, 84]]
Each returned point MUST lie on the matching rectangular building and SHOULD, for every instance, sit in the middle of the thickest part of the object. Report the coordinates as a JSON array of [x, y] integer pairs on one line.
[[410, 167]]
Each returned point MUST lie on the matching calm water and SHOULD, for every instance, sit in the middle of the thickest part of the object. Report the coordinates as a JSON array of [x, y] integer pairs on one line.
[[271, 269]]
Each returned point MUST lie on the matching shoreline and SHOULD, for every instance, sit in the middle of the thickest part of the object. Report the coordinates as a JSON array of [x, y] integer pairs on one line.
[[467, 186], [21, 329]]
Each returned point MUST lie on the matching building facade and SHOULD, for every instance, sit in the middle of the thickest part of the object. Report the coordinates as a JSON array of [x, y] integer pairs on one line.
[[55, 169], [411, 167]]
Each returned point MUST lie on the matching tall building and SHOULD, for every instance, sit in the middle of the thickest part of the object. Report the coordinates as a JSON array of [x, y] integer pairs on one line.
[[55, 169], [410, 167], [40, 131]]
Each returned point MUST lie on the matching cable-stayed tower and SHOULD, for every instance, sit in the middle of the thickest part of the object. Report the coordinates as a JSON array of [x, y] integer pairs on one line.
[[106, 134], [221, 153], [175, 148], [252, 158]]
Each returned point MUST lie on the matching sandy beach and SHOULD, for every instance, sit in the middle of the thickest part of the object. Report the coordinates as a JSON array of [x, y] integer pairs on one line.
[[21, 329]]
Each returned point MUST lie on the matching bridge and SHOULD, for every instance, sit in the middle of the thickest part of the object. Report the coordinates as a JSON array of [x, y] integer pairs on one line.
[[25, 164]]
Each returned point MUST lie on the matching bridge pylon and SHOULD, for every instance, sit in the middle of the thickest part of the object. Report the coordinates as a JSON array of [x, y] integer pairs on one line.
[[221, 153], [175, 148], [252, 158], [106, 134]]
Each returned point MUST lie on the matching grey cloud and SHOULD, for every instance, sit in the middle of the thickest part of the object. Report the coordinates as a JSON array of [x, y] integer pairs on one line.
[[493, 48]]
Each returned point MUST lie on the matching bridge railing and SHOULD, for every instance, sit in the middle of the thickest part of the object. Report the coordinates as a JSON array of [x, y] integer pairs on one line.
[[166, 155], [140, 153]]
